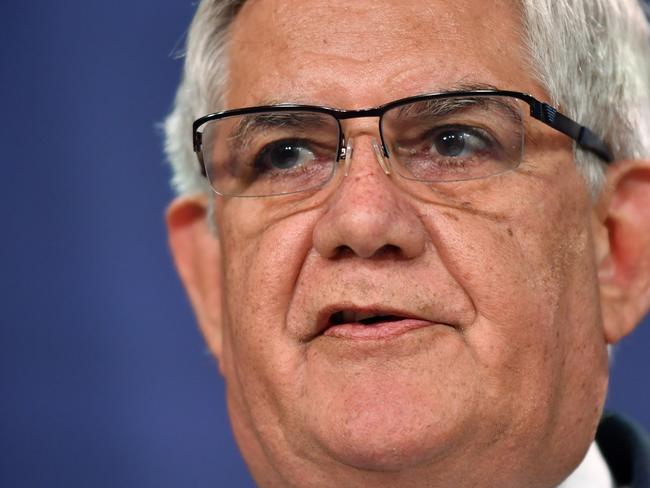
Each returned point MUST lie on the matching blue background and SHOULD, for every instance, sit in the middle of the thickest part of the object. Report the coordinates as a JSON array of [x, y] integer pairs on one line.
[[104, 379]]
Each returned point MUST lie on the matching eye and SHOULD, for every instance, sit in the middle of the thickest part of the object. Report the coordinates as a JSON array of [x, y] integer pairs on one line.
[[284, 155], [459, 142]]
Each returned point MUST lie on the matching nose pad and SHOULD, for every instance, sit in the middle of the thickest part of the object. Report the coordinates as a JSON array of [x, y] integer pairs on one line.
[[377, 148], [379, 154], [349, 147]]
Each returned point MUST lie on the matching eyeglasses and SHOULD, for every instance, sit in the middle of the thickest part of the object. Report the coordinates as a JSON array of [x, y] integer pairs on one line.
[[440, 137]]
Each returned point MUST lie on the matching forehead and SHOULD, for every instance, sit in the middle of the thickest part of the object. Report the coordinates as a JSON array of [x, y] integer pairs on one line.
[[367, 52]]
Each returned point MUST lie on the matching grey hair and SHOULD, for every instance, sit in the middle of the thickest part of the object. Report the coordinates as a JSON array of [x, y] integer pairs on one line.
[[201, 89], [592, 57]]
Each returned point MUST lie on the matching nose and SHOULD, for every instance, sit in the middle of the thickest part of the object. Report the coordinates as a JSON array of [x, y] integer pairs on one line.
[[368, 215]]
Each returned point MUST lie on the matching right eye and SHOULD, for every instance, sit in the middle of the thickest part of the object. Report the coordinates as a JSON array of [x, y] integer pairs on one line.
[[284, 155]]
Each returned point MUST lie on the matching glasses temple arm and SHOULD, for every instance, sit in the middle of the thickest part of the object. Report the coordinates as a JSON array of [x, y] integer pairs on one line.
[[581, 134], [197, 142]]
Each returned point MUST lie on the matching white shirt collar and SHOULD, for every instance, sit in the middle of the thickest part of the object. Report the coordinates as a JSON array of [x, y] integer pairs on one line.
[[592, 472]]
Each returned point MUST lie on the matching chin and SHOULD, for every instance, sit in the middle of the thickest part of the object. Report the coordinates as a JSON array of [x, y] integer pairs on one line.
[[390, 436], [397, 453]]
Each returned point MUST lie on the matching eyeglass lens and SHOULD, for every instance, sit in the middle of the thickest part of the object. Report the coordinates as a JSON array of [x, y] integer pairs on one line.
[[431, 140]]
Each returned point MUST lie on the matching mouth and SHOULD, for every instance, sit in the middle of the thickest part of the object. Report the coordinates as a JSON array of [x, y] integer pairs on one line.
[[353, 323], [349, 317]]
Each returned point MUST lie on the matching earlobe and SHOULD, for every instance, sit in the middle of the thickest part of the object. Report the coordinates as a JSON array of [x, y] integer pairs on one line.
[[624, 269], [197, 256]]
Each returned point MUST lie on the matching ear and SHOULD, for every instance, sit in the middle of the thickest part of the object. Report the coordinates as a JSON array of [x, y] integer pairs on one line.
[[196, 252], [624, 268]]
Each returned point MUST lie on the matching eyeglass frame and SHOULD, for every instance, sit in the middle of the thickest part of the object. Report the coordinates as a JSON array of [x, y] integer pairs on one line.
[[542, 111]]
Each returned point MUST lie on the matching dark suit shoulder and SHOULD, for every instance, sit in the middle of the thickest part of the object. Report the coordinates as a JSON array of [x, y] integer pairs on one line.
[[626, 448]]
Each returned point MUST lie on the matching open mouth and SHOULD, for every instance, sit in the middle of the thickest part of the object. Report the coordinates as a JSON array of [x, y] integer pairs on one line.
[[365, 324], [347, 317]]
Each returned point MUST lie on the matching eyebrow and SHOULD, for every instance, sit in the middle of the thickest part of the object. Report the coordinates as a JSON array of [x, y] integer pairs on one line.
[[253, 124], [445, 106], [441, 107]]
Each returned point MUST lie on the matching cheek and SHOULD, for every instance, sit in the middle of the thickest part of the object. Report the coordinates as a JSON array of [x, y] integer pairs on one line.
[[261, 267], [263, 246], [526, 263], [531, 278]]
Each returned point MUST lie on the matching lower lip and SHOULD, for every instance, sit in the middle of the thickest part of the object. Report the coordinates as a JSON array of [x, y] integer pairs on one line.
[[380, 330]]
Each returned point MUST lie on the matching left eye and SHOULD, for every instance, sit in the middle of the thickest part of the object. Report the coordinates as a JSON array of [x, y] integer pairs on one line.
[[458, 142], [284, 155]]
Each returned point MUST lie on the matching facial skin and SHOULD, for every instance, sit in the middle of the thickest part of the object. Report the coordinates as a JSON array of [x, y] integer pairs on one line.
[[502, 382]]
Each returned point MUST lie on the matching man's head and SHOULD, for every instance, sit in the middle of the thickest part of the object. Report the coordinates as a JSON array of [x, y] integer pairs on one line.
[[385, 331]]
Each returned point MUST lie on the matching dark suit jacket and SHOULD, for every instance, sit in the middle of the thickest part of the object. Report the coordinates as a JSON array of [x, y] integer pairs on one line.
[[626, 448]]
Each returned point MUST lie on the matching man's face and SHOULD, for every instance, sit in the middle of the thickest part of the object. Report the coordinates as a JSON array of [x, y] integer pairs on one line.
[[497, 361]]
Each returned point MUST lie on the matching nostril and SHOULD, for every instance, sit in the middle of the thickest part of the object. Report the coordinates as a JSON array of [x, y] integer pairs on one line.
[[389, 251], [343, 252]]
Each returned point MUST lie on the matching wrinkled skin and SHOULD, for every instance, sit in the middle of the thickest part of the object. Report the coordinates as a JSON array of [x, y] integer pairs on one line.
[[505, 384]]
